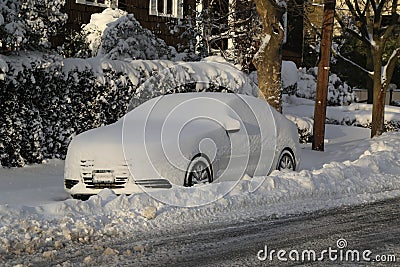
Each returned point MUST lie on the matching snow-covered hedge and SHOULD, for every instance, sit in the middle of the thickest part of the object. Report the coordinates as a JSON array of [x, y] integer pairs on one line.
[[43, 107], [339, 92], [46, 100], [305, 126]]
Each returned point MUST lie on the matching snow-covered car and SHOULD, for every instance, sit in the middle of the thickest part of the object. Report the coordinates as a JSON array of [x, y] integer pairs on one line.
[[182, 140]]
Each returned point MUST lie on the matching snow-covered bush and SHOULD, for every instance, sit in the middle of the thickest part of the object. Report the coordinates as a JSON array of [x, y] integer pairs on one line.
[[389, 125], [394, 102], [115, 34], [98, 23], [29, 23], [303, 83], [301, 112], [290, 77], [126, 38], [339, 92], [304, 127], [3, 69], [75, 45]]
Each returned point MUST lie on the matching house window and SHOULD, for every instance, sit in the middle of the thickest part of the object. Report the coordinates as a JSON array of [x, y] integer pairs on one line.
[[160, 6], [166, 8], [100, 3]]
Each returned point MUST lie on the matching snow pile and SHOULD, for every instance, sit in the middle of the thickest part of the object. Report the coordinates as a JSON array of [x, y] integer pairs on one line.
[[373, 175]]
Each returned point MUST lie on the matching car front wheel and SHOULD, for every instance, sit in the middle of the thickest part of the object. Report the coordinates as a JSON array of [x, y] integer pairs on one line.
[[286, 161], [199, 171]]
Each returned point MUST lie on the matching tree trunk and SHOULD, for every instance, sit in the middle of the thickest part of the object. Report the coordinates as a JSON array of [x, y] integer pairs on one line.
[[378, 106], [268, 59], [370, 82]]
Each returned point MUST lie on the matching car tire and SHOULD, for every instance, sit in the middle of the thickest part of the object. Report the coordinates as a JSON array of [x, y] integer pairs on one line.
[[199, 171], [286, 161]]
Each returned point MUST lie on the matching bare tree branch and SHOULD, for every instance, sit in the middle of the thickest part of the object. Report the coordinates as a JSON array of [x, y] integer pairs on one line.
[[388, 32], [336, 53], [395, 16], [351, 31], [359, 15], [362, 16], [373, 5], [382, 3]]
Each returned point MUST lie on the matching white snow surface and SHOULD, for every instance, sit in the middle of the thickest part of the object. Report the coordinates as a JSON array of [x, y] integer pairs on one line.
[[36, 216]]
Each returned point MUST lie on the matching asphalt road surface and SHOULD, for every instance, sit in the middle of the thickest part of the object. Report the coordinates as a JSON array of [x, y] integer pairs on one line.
[[374, 227]]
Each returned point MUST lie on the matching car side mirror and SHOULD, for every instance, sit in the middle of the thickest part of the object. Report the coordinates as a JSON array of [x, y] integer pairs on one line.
[[231, 125]]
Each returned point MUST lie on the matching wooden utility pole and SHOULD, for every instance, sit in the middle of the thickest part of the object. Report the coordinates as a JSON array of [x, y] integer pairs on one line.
[[323, 75]]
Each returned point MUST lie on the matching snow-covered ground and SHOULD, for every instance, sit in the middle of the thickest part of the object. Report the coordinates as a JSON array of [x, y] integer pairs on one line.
[[36, 217]]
